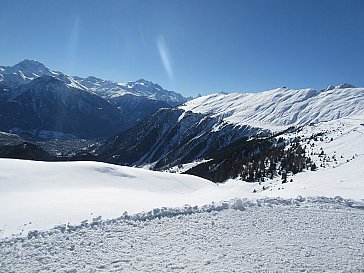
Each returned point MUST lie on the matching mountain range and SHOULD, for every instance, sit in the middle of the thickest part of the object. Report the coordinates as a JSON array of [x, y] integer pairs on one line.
[[39, 102], [219, 136]]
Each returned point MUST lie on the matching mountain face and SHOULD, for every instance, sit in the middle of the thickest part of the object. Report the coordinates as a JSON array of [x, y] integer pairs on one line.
[[170, 137], [48, 104], [23, 72], [134, 109]]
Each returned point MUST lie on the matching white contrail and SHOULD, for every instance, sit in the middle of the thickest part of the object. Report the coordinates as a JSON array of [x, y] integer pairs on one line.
[[72, 44], [165, 57]]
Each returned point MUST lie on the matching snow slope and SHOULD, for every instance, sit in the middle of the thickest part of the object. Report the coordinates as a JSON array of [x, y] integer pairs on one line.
[[278, 108]]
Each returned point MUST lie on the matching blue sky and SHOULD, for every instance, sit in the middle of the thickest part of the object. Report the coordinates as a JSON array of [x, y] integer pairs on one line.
[[191, 46]]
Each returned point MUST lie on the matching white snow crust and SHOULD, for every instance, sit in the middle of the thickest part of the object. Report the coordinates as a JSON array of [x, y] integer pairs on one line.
[[268, 235]]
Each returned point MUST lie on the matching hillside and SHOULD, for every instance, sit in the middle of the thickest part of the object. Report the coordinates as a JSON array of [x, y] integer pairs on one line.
[[278, 108]]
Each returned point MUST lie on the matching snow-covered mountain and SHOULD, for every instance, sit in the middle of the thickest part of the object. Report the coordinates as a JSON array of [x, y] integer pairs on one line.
[[136, 108], [203, 126], [278, 108], [23, 72], [152, 221], [28, 70]]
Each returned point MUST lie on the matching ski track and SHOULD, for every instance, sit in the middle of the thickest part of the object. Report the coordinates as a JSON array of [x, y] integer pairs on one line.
[[268, 235]]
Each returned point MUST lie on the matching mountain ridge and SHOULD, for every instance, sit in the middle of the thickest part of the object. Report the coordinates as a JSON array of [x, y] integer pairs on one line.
[[277, 108], [27, 70]]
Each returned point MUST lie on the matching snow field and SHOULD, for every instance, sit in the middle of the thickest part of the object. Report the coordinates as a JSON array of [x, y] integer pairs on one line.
[[268, 235]]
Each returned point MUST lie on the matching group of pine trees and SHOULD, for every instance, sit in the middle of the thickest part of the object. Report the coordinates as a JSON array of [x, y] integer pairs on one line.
[[256, 160]]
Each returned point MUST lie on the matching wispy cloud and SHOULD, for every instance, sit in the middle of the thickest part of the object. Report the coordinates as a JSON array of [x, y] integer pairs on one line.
[[141, 34], [165, 57], [73, 42]]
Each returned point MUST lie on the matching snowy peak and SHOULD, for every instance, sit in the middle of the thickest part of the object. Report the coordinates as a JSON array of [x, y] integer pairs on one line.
[[340, 86], [344, 85], [31, 66], [24, 72], [152, 90]]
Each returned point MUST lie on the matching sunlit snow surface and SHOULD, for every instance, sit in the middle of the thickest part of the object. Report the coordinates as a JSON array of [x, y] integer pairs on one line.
[[272, 235], [39, 195]]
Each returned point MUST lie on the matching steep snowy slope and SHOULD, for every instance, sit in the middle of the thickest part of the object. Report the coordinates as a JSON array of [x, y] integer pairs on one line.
[[170, 137], [278, 108]]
